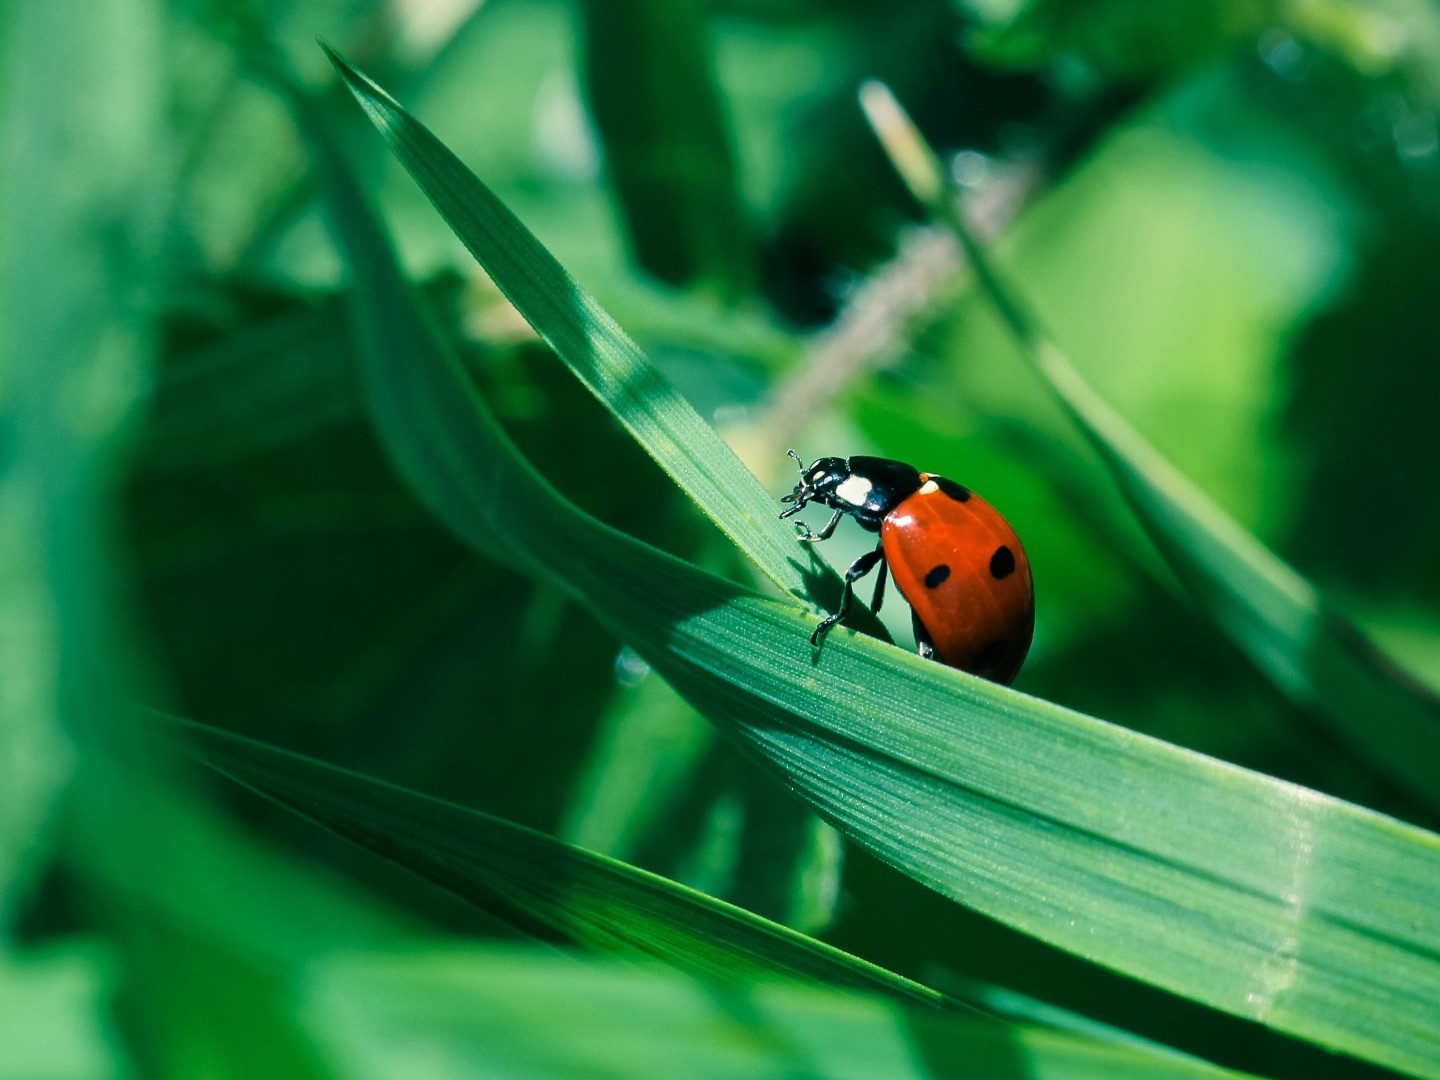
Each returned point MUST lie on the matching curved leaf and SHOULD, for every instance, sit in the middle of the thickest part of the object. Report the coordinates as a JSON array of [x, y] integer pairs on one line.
[[605, 905], [600, 353], [537, 882]]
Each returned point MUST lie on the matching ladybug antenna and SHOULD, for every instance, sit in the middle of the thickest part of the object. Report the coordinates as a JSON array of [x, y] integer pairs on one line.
[[800, 496]]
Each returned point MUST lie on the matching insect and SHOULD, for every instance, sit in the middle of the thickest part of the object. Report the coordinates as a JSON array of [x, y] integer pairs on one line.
[[954, 558]]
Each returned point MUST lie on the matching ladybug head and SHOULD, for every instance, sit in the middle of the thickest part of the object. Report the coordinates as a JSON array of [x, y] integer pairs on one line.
[[817, 482]]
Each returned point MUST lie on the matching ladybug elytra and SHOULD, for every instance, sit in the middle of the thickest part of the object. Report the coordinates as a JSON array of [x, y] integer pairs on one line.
[[954, 558]]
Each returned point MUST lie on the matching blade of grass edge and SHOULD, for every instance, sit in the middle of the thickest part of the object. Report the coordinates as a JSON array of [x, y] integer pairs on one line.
[[605, 359], [1278, 619], [610, 907], [1278, 904], [534, 881]]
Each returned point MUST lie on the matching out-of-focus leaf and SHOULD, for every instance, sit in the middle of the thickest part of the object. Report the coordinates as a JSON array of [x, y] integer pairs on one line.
[[191, 1007], [1268, 900], [210, 930], [535, 881], [277, 382], [1280, 621], [650, 84], [660, 792], [51, 1006], [84, 151], [481, 1013], [1023, 1009], [649, 742], [253, 899], [75, 155], [1119, 38]]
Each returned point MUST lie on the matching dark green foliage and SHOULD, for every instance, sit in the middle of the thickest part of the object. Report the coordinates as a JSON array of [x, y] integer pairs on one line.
[[477, 599]]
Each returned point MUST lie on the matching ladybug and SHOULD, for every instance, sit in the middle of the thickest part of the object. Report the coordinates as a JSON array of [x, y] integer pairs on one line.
[[955, 559]]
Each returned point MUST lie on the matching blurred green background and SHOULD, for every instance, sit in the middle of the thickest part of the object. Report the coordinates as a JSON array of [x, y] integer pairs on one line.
[[1227, 211]]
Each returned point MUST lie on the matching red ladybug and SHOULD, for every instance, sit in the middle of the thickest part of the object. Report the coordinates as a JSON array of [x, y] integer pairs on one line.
[[955, 559]]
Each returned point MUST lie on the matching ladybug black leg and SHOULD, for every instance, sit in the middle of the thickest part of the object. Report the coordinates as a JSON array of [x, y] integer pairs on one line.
[[923, 643], [879, 597], [808, 537], [858, 569]]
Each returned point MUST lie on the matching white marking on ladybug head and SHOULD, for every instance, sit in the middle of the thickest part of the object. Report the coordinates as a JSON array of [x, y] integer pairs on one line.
[[929, 487], [854, 490]]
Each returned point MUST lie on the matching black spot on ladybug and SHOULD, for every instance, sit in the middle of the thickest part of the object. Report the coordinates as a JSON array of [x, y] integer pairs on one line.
[[1002, 563], [984, 662], [937, 576], [958, 492]]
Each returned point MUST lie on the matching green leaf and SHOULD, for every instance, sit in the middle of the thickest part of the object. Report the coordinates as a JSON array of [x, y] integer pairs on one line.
[[1022, 1009], [519, 1014], [600, 353], [1279, 620], [1267, 900], [1120, 40], [75, 156], [51, 1009], [648, 748], [254, 900], [272, 384], [210, 930], [535, 881], [650, 85]]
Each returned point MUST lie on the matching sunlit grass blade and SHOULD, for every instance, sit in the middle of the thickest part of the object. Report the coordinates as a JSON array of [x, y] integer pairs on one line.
[[600, 353], [522, 1015], [1258, 897], [1278, 619], [537, 882]]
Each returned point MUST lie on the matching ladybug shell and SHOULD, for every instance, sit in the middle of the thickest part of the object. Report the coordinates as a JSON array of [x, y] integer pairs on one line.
[[965, 574]]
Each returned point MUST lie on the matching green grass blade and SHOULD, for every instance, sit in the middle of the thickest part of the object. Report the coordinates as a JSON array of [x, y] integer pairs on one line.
[[535, 881], [1278, 619], [650, 85], [519, 1014], [1267, 900], [600, 353]]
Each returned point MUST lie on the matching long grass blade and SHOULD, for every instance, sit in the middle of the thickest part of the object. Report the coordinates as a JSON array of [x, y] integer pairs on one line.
[[1277, 618], [536, 882], [600, 353]]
